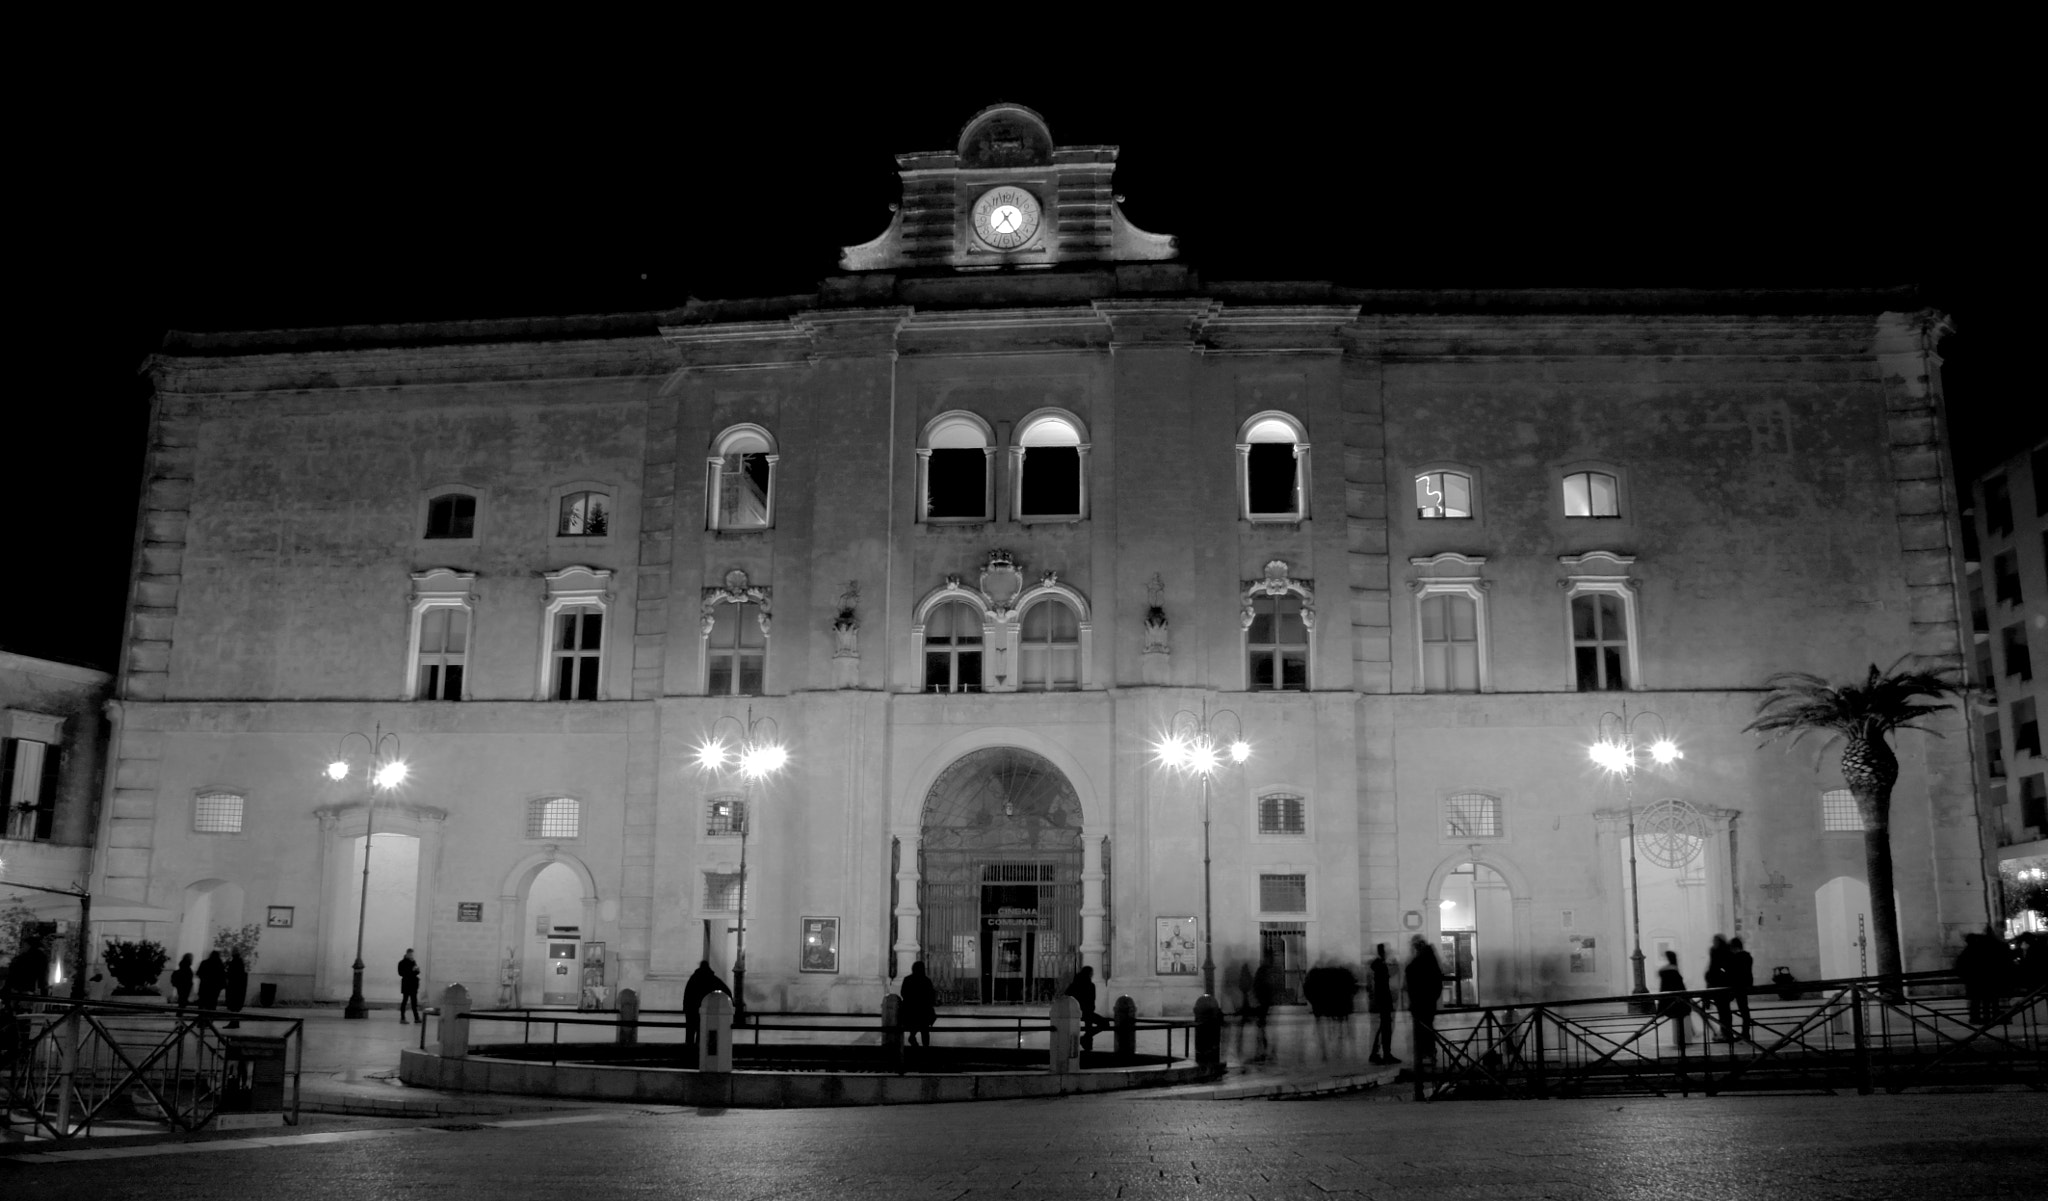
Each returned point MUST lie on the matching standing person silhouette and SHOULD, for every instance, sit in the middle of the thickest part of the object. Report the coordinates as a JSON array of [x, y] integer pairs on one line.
[[1424, 977], [181, 980], [1717, 978], [919, 1007], [1380, 997], [408, 986], [213, 976], [1741, 978], [1676, 1008]]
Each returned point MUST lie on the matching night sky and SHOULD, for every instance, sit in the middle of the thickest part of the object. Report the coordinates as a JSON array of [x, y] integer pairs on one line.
[[350, 183]]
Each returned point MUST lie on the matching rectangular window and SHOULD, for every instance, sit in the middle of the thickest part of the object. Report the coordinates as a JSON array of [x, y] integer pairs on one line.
[[1284, 946], [2019, 660], [554, 817], [217, 813], [579, 638], [956, 483], [1051, 486], [1472, 815], [1276, 644], [722, 892], [1591, 494], [1450, 644], [1599, 642], [1998, 506], [952, 649], [1283, 894], [2005, 577], [1269, 471], [451, 516], [2034, 802], [1838, 812], [1994, 753], [737, 650], [1282, 813], [2026, 728], [28, 788], [584, 514], [1443, 494], [444, 647], [1050, 647], [725, 816]]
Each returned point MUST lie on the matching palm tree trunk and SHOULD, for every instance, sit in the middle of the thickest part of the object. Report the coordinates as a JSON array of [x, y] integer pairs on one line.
[[1870, 769]]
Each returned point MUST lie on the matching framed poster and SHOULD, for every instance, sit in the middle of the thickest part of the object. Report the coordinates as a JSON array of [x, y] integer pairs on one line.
[[1176, 941], [820, 945], [280, 917], [593, 965], [469, 911]]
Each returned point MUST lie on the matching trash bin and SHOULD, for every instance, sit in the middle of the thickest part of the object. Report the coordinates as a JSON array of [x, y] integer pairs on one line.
[[252, 1073], [266, 995]]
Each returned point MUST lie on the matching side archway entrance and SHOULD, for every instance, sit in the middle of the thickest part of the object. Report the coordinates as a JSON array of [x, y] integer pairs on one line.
[[999, 879]]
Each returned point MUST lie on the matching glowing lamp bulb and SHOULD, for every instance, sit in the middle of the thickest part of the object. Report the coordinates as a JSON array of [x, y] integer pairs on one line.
[[338, 770], [392, 774], [711, 755], [1240, 751], [1664, 751], [1609, 755]]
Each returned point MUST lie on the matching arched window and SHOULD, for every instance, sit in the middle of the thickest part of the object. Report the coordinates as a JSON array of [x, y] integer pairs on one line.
[[1051, 468], [1276, 644], [1272, 468], [953, 474], [1443, 494], [584, 514], [558, 817], [952, 648], [736, 650], [451, 515], [1049, 648], [742, 484], [1591, 494]]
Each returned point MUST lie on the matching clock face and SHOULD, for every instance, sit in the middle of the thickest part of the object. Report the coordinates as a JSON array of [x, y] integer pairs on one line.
[[1006, 217]]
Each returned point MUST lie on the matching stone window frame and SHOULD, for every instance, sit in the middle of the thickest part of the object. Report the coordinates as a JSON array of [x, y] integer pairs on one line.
[[1302, 490], [1474, 483], [1446, 809], [1019, 456], [1256, 830], [440, 588], [736, 590], [1277, 583], [1612, 471], [712, 819], [575, 587], [241, 810], [1307, 872], [733, 892], [1453, 574], [423, 512], [1002, 629], [28, 736], [721, 446], [1602, 572], [938, 425], [537, 817], [568, 488]]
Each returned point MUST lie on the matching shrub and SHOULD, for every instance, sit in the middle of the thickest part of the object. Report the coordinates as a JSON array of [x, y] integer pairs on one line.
[[227, 940], [136, 965]]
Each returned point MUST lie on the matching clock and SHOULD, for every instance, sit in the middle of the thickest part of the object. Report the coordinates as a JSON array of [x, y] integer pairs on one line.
[[1006, 217]]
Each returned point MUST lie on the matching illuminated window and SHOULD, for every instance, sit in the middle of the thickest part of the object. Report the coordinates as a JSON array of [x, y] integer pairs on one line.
[[1272, 454], [1283, 813], [1051, 469], [28, 787], [444, 650], [1443, 494], [1276, 645], [1591, 494], [725, 815], [217, 813], [554, 817], [1472, 815], [952, 648], [1283, 894], [1049, 648], [585, 514], [451, 515], [953, 469], [722, 892], [1450, 643], [1599, 642], [736, 650], [1838, 812], [741, 494]]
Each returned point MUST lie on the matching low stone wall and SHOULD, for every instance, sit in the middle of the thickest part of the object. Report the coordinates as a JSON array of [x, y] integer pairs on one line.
[[766, 1090]]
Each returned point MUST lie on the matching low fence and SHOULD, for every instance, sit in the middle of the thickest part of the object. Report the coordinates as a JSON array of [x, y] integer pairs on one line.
[[1865, 1034], [69, 1066]]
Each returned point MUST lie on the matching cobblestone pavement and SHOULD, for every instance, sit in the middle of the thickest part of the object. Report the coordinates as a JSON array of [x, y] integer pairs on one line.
[[1374, 1146]]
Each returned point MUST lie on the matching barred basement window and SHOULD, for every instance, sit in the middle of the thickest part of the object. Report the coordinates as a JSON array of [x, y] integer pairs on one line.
[[1282, 813], [725, 814], [217, 813], [1283, 894], [722, 892], [553, 817], [1838, 812], [1472, 815]]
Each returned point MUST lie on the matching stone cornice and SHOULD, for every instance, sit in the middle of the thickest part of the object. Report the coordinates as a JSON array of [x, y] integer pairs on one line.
[[339, 367]]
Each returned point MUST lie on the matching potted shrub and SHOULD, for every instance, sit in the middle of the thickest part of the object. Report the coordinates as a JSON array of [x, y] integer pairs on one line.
[[136, 966]]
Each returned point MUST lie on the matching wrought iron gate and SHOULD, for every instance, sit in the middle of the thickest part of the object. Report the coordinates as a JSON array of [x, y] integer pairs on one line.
[[1000, 931]]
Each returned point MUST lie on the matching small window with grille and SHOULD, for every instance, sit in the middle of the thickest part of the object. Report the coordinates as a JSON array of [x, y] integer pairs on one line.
[[722, 892], [1472, 815], [1838, 812], [1283, 894], [725, 814], [554, 817], [1283, 813], [217, 813]]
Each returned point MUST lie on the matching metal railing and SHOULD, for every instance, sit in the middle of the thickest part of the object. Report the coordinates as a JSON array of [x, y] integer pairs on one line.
[[69, 1066], [1863, 1034]]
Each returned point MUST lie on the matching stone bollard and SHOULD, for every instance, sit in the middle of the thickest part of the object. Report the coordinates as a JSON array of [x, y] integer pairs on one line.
[[892, 1032], [1124, 1015], [629, 1017], [1208, 1031], [1065, 1048], [714, 1052], [454, 1029]]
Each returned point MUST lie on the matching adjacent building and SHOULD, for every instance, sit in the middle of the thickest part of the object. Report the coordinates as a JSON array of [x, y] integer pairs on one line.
[[969, 532], [53, 743]]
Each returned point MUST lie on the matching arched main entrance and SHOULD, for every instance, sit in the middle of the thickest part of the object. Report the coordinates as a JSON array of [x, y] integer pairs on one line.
[[999, 878]]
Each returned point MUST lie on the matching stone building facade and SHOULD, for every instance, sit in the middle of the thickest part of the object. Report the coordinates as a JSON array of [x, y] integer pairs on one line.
[[2010, 607], [967, 531]]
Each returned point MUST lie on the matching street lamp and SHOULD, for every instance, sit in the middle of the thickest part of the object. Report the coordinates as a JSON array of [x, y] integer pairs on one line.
[[1198, 743], [385, 772], [1619, 750], [756, 753]]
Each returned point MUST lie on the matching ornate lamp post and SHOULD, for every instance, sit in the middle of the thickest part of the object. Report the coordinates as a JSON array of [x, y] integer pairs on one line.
[[1623, 743], [385, 771], [757, 752], [1198, 744]]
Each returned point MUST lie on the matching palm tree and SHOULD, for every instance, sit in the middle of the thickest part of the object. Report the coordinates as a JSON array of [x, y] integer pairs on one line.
[[1860, 715]]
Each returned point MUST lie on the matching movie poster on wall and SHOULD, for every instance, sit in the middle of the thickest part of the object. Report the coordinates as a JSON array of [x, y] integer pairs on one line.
[[1177, 940]]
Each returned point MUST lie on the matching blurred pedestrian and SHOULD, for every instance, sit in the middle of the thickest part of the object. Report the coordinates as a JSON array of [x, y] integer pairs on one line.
[[1082, 989], [1741, 979], [1380, 996], [237, 985], [1717, 979], [213, 976], [1330, 989], [1424, 978], [408, 986], [181, 979], [1676, 1008], [702, 983], [1266, 984], [918, 1007], [1982, 965]]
